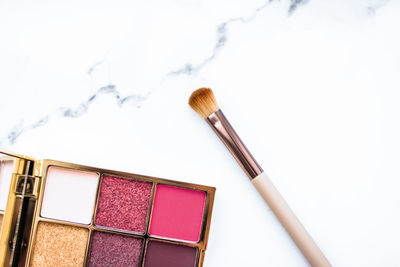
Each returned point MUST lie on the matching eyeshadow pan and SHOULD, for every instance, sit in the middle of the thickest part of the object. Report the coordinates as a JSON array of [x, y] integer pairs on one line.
[[169, 255], [177, 213], [123, 204], [114, 250], [59, 245], [69, 195], [6, 170]]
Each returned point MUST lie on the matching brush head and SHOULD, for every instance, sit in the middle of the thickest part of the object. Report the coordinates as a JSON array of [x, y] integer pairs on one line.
[[203, 102]]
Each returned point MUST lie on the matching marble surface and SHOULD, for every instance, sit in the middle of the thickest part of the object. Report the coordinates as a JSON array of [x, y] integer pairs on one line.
[[312, 87]]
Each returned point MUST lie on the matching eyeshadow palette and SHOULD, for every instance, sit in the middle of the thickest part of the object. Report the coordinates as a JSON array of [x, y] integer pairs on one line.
[[55, 213]]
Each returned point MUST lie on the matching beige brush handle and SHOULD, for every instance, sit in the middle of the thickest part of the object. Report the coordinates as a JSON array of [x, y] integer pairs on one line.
[[289, 221]]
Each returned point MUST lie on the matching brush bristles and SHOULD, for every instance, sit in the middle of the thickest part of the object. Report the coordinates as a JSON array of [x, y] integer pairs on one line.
[[203, 102]]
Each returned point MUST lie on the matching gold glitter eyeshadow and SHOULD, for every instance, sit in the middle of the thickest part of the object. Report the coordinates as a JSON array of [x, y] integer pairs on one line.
[[59, 245]]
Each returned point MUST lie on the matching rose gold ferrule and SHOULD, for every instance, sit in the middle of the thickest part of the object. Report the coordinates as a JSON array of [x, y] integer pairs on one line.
[[229, 137]]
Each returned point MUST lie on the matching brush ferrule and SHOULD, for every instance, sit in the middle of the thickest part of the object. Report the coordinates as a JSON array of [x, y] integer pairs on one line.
[[229, 137]]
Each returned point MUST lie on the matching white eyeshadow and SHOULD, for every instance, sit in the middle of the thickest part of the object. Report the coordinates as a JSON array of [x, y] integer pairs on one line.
[[6, 170], [69, 195]]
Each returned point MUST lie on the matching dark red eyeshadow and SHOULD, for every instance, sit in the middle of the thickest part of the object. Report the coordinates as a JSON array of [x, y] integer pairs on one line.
[[169, 255]]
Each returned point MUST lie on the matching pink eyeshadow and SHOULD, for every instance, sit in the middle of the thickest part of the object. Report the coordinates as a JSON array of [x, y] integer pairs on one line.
[[177, 213], [123, 204], [114, 250]]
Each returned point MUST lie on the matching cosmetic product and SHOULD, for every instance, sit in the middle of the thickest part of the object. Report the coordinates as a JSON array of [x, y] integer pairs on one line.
[[204, 103], [55, 213]]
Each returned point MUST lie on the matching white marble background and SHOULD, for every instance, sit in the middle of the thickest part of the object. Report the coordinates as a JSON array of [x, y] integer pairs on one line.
[[311, 86]]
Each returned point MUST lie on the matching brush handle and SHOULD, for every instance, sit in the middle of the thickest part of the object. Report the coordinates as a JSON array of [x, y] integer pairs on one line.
[[278, 205], [289, 221]]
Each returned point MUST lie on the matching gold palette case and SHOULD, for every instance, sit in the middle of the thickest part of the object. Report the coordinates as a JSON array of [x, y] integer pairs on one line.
[[22, 213]]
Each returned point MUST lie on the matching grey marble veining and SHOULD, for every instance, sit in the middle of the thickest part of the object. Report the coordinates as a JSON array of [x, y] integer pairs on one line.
[[134, 99]]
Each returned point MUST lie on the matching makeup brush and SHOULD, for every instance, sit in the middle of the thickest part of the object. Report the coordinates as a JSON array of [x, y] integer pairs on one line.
[[204, 103]]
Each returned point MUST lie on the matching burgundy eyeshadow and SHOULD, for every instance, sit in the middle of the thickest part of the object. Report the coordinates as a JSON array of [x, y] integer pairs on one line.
[[123, 204], [169, 255], [114, 250]]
